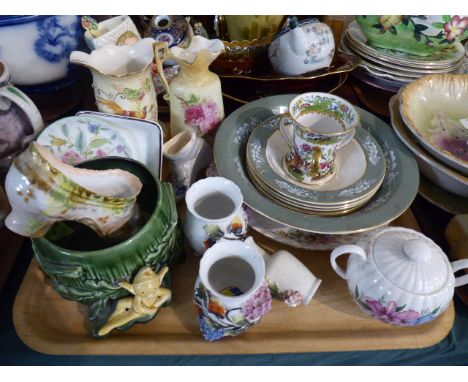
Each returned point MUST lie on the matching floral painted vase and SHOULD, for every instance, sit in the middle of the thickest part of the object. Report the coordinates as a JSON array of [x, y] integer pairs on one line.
[[231, 293], [195, 95], [399, 276], [203, 230], [122, 80], [418, 35]]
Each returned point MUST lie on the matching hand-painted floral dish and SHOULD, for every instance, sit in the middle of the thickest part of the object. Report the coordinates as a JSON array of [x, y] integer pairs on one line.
[[388, 203], [435, 109], [438, 59], [360, 168], [439, 174], [91, 135]]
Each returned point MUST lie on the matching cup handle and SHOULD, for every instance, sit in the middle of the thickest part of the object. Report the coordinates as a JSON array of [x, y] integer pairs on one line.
[[456, 266], [161, 47], [286, 132], [350, 248], [27, 105]]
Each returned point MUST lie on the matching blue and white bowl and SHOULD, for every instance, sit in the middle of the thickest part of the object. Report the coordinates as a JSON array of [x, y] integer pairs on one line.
[[37, 48]]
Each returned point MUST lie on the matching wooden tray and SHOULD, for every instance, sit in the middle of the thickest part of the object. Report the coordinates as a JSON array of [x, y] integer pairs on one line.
[[331, 322]]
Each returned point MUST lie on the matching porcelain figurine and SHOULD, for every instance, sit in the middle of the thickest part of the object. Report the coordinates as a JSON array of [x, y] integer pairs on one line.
[[214, 211], [112, 277], [399, 276], [37, 48], [174, 30], [231, 293], [148, 297], [122, 79], [43, 190], [418, 35], [119, 30], [187, 154], [288, 279], [301, 47], [20, 121], [195, 96], [316, 126]]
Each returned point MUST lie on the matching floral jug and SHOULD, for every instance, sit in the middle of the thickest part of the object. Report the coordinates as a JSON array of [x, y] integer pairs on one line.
[[122, 80], [195, 96]]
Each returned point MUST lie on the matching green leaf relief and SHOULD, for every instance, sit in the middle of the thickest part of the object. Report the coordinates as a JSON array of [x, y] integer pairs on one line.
[[400, 308], [98, 142], [446, 18], [80, 141], [356, 292], [64, 129], [212, 230], [194, 100], [438, 25]]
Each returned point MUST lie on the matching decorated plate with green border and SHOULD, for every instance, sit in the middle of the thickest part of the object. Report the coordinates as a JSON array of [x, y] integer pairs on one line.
[[264, 150], [440, 58], [397, 192]]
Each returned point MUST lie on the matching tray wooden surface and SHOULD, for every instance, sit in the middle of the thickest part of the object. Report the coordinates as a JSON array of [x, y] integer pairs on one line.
[[331, 322]]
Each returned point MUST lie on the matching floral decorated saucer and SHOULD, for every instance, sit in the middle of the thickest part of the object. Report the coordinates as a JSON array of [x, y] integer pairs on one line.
[[91, 135], [360, 168]]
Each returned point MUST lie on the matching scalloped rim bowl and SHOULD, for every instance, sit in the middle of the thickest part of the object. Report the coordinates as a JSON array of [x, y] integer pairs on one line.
[[420, 99]]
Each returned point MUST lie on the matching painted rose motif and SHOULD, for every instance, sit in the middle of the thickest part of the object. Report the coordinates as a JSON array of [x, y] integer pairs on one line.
[[201, 114]]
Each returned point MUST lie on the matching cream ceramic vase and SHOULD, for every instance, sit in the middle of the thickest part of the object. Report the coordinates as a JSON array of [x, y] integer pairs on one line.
[[43, 190], [195, 96], [399, 276], [122, 80]]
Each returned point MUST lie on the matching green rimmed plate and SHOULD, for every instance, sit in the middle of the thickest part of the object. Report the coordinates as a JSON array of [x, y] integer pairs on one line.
[[264, 149], [397, 192]]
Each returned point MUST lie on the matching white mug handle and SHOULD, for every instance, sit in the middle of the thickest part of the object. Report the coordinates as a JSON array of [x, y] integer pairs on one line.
[[350, 248], [456, 266], [26, 104], [286, 129]]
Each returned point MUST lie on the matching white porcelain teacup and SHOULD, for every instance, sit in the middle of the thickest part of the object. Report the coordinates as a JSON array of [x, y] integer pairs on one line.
[[316, 126]]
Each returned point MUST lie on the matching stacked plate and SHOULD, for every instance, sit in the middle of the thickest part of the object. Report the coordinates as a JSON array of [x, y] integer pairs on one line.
[[430, 117], [360, 169], [399, 68], [278, 220]]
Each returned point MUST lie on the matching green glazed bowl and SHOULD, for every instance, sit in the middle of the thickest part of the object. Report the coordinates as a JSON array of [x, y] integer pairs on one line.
[[83, 268]]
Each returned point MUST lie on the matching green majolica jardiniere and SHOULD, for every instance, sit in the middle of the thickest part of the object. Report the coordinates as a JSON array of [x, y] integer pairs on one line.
[[418, 35], [113, 278]]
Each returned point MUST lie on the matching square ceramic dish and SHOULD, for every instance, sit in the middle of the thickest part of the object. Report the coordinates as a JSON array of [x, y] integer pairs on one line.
[[91, 135], [435, 110]]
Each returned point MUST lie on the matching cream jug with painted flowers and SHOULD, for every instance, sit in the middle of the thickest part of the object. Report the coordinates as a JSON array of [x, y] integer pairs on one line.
[[195, 97]]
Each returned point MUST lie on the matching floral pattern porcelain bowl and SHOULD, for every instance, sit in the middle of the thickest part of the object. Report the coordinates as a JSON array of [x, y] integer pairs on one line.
[[435, 110], [37, 48], [418, 35], [399, 276]]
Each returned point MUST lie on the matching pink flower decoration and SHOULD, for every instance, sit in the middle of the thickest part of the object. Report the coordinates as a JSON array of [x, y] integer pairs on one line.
[[194, 115], [305, 147], [258, 305], [324, 165], [72, 157], [210, 110], [455, 27], [101, 154], [389, 313]]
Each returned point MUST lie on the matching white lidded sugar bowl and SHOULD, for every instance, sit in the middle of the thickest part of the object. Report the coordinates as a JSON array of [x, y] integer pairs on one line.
[[399, 276]]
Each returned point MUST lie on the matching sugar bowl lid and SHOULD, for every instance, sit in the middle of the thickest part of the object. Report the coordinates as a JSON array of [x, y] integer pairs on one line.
[[410, 260]]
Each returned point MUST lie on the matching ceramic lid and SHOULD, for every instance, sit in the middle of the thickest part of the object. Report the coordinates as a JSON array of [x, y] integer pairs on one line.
[[410, 260]]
